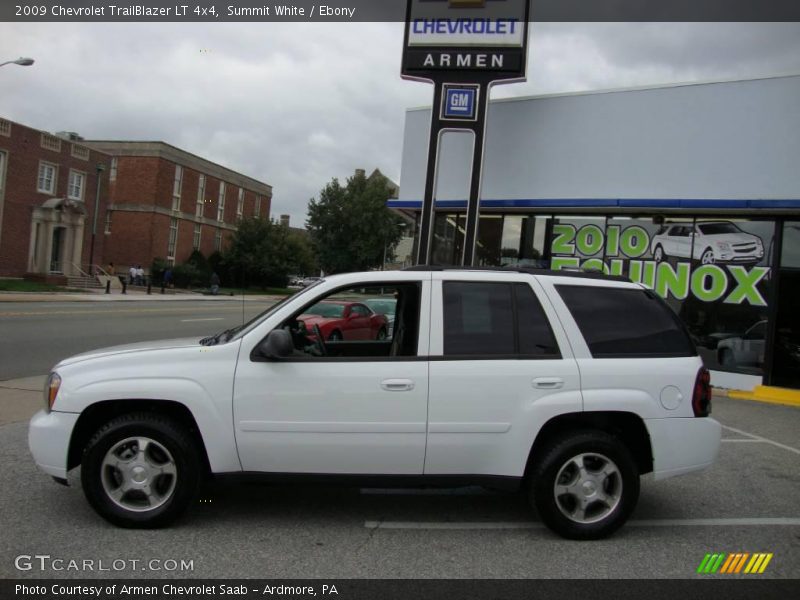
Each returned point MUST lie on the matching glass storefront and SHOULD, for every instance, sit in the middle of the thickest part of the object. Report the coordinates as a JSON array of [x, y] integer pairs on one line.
[[786, 348], [714, 272]]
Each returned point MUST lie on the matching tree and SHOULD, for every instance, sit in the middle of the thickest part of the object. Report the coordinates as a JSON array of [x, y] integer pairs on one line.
[[303, 260], [262, 253], [350, 226]]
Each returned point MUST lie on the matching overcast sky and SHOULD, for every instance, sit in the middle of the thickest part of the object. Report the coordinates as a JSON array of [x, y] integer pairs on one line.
[[296, 104]]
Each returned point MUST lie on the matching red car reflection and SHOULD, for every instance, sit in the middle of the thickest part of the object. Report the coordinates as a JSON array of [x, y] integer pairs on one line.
[[344, 321]]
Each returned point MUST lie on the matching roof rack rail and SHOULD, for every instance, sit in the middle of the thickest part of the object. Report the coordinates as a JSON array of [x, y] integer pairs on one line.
[[526, 270]]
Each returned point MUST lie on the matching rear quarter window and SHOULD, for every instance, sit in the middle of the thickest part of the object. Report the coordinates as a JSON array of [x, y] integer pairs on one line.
[[626, 322]]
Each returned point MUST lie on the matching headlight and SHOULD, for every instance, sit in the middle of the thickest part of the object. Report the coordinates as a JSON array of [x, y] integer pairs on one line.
[[51, 388], [724, 246]]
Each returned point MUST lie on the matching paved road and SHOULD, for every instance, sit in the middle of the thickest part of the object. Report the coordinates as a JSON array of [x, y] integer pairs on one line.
[[35, 336], [746, 503]]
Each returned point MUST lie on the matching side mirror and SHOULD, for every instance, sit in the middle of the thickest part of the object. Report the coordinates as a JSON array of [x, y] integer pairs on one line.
[[278, 344]]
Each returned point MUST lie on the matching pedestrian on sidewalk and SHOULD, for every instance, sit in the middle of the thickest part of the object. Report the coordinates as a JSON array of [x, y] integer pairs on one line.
[[132, 275], [139, 275], [214, 284]]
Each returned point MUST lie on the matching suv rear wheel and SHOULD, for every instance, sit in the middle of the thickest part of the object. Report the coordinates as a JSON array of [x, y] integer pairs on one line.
[[585, 486], [140, 470]]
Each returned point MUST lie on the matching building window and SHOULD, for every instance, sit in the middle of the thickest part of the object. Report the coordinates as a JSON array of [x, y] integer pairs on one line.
[[258, 206], [173, 240], [5, 128], [240, 204], [77, 183], [81, 152], [197, 233], [201, 196], [218, 240], [176, 188], [112, 176], [50, 142], [46, 182], [221, 202], [108, 222], [2, 169]]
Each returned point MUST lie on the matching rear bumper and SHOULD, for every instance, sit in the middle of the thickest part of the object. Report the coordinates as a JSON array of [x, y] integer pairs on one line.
[[48, 440], [683, 445]]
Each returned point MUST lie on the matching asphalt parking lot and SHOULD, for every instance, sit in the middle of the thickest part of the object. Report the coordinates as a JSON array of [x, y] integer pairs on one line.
[[746, 503]]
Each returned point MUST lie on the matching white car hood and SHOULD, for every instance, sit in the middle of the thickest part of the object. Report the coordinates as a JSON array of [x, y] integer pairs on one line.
[[138, 347]]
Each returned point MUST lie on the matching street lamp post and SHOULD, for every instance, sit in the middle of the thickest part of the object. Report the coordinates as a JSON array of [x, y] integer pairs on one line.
[[100, 168], [22, 62]]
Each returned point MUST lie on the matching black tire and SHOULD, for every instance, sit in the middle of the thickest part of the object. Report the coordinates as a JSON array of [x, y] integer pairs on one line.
[[601, 518], [336, 336], [707, 258], [382, 335], [658, 254], [163, 434]]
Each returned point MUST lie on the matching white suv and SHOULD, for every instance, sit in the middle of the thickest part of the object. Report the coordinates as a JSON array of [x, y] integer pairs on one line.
[[707, 242], [567, 385]]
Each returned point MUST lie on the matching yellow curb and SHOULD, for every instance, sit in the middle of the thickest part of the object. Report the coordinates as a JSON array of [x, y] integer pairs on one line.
[[769, 394]]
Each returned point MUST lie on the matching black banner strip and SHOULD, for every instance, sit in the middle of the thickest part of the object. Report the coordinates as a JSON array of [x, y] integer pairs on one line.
[[154, 11], [732, 588]]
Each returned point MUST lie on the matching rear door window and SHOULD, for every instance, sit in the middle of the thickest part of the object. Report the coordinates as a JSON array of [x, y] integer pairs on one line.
[[495, 319], [478, 318], [626, 322], [535, 335]]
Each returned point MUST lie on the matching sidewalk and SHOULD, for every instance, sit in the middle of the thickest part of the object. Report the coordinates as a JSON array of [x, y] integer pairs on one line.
[[20, 398], [132, 295]]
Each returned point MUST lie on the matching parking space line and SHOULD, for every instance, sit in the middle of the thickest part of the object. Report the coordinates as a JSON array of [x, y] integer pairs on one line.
[[195, 320], [762, 439], [753, 522], [750, 440]]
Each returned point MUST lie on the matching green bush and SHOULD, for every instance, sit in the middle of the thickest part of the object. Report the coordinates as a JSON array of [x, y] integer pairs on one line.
[[188, 275]]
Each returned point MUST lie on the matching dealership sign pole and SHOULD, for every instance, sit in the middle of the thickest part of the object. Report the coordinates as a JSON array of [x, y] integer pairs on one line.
[[463, 47]]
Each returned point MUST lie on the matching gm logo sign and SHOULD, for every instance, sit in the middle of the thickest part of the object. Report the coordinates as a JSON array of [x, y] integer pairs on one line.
[[459, 102]]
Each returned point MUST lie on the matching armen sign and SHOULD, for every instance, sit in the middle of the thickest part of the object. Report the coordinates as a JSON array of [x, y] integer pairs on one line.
[[463, 47]]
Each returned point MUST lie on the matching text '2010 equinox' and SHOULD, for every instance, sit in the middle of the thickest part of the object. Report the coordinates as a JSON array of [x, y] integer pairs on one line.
[[566, 385]]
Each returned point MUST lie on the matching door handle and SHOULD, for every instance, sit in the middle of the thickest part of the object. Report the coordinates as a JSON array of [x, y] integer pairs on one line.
[[548, 383], [397, 385]]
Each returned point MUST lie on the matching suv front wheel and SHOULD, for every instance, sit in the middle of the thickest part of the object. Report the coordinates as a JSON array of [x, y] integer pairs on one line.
[[585, 486], [140, 470]]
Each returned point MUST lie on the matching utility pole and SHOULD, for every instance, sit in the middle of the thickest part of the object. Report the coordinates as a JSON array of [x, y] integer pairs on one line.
[[100, 168]]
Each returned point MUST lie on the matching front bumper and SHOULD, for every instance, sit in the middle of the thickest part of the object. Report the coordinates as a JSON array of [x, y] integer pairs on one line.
[[683, 445], [48, 439]]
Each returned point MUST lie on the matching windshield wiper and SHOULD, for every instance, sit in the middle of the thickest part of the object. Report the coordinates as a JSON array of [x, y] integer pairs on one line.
[[222, 336]]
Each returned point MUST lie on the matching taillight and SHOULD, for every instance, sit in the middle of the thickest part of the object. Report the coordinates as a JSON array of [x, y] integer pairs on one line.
[[701, 398]]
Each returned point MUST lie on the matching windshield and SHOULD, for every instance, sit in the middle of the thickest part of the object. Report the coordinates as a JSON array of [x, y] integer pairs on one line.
[[325, 309], [718, 228], [382, 307], [242, 329]]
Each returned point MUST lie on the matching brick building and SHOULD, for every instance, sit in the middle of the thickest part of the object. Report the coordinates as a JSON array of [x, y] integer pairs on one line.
[[164, 202], [47, 192]]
